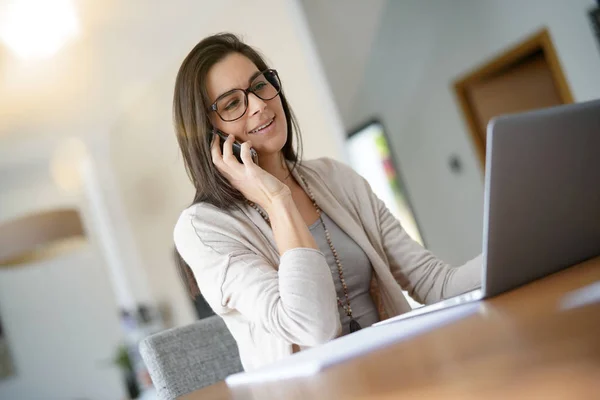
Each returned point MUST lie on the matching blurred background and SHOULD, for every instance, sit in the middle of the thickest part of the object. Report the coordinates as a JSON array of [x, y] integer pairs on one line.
[[91, 182]]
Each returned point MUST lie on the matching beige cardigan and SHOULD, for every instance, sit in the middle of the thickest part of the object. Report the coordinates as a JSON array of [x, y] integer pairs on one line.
[[274, 305]]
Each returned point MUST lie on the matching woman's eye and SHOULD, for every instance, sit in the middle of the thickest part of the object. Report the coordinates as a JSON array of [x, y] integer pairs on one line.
[[232, 104], [259, 86]]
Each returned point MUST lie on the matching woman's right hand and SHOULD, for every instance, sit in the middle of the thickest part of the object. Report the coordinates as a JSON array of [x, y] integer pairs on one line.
[[256, 184]]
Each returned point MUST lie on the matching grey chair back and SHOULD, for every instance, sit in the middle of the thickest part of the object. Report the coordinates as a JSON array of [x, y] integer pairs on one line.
[[181, 360]]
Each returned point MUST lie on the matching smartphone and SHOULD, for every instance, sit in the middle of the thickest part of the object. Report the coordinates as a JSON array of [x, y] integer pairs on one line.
[[237, 147]]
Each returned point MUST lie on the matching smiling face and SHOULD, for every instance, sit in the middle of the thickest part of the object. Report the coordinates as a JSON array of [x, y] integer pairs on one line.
[[264, 122]]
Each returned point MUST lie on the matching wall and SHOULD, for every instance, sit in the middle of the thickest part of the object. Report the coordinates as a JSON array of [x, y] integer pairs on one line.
[[60, 316], [344, 31], [62, 337], [421, 48]]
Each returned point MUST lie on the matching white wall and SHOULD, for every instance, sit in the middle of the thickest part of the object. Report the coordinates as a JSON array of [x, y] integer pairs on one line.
[[343, 33], [60, 316], [421, 48], [145, 156], [61, 337]]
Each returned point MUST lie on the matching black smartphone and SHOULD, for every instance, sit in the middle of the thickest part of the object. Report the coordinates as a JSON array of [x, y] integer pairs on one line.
[[237, 147]]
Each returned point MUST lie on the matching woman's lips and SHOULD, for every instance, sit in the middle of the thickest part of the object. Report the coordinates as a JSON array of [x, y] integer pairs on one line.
[[266, 127]]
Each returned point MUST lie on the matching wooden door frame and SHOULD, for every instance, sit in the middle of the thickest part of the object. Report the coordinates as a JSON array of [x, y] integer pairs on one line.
[[540, 41]]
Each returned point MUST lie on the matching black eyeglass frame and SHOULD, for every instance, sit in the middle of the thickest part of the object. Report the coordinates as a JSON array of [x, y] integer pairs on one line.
[[213, 106]]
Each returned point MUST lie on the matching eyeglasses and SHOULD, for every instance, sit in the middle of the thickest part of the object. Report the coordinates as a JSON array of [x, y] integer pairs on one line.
[[233, 105]]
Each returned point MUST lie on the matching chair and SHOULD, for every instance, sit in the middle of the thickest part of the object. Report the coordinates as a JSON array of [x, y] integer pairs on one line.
[[181, 360]]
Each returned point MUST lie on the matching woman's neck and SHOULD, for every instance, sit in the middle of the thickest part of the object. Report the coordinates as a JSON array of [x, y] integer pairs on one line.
[[275, 165]]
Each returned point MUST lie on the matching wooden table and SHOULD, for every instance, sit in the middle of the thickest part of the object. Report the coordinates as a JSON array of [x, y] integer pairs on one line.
[[520, 345]]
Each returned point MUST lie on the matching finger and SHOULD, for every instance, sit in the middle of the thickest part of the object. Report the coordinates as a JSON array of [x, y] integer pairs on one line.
[[246, 154], [215, 150], [228, 156]]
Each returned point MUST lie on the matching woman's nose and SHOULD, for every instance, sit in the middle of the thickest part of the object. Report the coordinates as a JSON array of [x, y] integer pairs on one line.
[[255, 104]]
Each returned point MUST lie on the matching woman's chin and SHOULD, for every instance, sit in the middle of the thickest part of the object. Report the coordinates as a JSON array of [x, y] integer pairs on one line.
[[270, 148]]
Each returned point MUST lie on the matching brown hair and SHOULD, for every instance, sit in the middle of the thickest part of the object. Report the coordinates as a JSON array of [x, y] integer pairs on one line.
[[186, 275], [193, 128]]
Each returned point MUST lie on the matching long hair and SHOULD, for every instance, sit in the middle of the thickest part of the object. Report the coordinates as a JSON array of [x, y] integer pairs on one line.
[[186, 275], [193, 128]]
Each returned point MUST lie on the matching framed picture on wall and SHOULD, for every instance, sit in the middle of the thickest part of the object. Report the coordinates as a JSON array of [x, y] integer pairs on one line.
[[371, 156]]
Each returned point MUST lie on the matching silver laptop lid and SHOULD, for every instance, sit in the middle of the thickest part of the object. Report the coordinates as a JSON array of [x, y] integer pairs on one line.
[[542, 194]]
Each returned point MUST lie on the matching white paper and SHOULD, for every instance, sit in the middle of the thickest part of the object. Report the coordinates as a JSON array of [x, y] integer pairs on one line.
[[451, 302], [311, 361]]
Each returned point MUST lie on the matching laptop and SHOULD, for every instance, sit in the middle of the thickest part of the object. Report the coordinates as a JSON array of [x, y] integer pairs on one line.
[[541, 198]]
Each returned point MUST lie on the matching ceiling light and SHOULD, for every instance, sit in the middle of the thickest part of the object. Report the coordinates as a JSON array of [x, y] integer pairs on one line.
[[37, 28]]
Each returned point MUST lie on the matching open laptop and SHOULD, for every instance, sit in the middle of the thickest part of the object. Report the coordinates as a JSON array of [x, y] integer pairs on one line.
[[541, 199], [542, 214]]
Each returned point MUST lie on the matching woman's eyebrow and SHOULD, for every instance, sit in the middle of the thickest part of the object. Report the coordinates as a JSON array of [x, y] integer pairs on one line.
[[254, 75]]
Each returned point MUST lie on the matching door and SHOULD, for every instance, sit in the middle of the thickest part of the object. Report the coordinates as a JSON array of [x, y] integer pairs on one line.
[[524, 78]]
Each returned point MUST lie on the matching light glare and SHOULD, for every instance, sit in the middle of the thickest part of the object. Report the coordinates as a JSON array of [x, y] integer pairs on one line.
[[37, 28]]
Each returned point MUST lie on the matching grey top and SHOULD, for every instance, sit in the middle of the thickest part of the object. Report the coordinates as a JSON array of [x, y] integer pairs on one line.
[[357, 272]]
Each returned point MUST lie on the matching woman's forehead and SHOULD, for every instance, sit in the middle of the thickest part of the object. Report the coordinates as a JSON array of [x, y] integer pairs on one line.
[[235, 71]]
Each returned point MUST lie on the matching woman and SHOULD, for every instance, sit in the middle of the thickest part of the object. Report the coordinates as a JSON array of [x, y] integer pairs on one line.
[[290, 254]]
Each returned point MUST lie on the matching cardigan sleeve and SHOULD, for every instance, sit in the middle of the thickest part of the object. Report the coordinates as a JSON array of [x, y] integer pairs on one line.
[[295, 301], [425, 277]]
